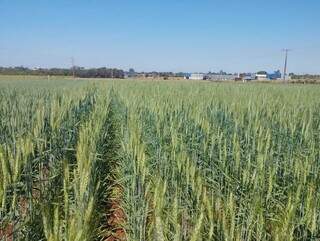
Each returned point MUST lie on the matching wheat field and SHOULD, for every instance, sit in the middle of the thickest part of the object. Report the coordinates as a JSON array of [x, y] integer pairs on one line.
[[155, 161]]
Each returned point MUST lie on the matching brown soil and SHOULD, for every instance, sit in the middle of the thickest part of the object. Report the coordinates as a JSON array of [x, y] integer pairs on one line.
[[117, 235], [7, 233], [116, 218]]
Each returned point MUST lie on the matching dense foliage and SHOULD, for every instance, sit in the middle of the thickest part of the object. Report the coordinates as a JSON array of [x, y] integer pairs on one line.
[[130, 160], [76, 71]]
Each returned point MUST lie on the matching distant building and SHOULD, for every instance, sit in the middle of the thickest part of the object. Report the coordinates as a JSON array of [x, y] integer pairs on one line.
[[197, 76], [245, 77], [262, 75], [275, 75], [222, 76]]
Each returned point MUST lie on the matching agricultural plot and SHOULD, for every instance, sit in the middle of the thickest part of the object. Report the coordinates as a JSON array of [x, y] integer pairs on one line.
[[103, 160]]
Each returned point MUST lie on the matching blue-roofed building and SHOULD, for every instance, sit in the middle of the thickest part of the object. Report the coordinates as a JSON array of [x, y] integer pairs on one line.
[[275, 75]]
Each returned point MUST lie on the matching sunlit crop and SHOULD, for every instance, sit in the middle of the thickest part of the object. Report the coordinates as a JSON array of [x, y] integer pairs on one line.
[[132, 160]]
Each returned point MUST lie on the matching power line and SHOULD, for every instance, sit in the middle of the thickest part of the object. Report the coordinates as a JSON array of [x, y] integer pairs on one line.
[[73, 69], [285, 63]]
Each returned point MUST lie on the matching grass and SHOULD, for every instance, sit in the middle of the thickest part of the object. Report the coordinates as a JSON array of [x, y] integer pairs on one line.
[[139, 160]]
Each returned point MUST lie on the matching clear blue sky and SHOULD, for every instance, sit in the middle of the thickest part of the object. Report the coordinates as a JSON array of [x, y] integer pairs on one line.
[[162, 35]]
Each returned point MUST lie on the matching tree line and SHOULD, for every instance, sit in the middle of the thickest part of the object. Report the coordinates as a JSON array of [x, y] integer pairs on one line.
[[76, 71], [305, 76]]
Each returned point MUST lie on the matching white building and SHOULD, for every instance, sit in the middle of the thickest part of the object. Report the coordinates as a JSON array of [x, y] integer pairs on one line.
[[262, 75], [220, 77], [248, 77], [197, 76]]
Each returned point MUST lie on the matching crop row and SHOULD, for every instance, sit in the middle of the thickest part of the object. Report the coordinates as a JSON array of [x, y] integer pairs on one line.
[[159, 161]]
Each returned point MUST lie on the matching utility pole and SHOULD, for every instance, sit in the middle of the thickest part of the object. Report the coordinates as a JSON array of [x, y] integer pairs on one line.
[[285, 63], [73, 70]]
